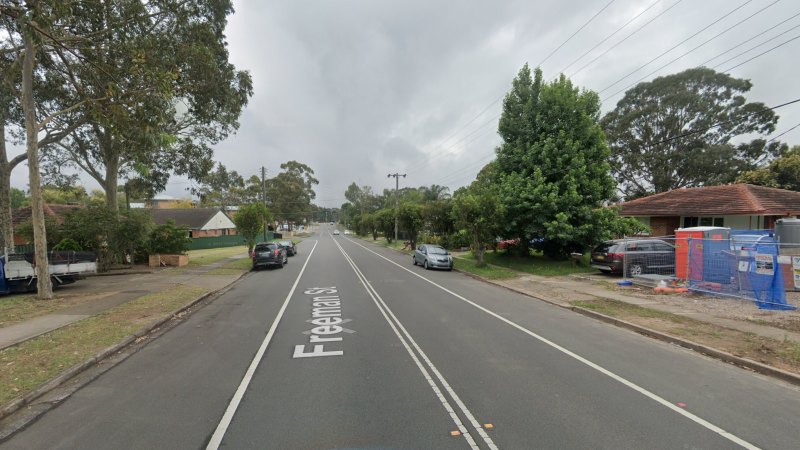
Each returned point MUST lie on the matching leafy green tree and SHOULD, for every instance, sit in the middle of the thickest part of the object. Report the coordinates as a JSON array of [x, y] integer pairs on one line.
[[250, 221], [289, 194], [476, 210], [676, 131], [552, 166], [18, 198], [169, 238], [221, 187], [782, 173], [384, 222], [409, 219]]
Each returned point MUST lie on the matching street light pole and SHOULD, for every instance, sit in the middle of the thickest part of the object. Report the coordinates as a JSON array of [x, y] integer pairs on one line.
[[396, 205]]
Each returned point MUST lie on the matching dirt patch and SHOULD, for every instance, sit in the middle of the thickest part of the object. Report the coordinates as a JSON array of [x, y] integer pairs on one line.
[[781, 354]]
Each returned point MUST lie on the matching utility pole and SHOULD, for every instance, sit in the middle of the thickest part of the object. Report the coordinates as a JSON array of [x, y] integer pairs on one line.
[[396, 204], [264, 196]]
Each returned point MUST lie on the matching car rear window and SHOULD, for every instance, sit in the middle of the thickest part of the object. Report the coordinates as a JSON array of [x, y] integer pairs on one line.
[[264, 247], [605, 247]]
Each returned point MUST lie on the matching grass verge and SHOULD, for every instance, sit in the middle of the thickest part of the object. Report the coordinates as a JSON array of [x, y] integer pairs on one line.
[[212, 255], [34, 362], [232, 268], [783, 354], [17, 308], [487, 271], [536, 264]]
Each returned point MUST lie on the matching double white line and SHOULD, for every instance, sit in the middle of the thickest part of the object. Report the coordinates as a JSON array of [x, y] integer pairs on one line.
[[427, 368]]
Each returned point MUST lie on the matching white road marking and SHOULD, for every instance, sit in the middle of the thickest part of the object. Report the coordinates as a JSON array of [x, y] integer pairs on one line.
[[395, 323], [699, 420], [224, 423]]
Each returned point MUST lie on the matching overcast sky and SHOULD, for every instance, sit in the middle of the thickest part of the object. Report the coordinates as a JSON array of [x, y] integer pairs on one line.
[[360, 89]]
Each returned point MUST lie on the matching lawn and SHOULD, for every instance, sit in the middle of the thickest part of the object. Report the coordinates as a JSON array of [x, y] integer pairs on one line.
[[487, 271], [232, 268], [33, 362], [784, 354], [536, 264], [212, 255]]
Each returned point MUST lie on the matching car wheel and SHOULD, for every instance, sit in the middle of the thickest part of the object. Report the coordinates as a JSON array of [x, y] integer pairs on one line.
[[414, 260], [425, 265], [635, 269]]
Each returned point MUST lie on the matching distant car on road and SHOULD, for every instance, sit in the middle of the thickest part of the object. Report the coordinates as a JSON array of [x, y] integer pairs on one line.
[[269, 254], [291, 249], [335, 232], [433, 257], [642, 255], [346, 232]]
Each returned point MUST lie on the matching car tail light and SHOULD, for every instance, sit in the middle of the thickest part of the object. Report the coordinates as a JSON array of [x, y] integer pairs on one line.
[[277, 252], [616, 256], [253, 254]]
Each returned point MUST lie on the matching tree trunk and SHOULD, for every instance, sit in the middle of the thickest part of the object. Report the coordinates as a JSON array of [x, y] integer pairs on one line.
[[479, 250], [111, 184], [6, 225], [43, 283]]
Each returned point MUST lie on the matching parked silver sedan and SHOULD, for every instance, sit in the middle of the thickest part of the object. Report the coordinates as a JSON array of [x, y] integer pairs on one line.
[[433, 257]]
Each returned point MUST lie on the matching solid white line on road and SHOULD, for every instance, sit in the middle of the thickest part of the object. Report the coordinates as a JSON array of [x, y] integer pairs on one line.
[[384, 309], [604, 371], [224, 423]]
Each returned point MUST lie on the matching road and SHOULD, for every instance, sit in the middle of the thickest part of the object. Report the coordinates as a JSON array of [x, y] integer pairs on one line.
[[350, 346]]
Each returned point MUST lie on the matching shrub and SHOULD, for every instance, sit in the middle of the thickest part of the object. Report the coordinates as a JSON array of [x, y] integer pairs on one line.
[[169, 238]]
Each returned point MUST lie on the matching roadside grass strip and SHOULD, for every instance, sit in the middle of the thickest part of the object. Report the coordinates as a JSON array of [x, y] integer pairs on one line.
[[18, 308], [26, 366], [487, 271], [212, 255], [536, 264], [783, 354], [232, 268]]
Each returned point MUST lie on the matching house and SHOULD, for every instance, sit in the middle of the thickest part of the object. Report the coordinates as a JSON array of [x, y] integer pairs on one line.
[[736, 206], [51, 210], [163, 201], [202, 222]]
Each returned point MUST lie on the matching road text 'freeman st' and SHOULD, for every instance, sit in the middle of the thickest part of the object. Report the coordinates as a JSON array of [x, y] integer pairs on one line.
[[326, 314]]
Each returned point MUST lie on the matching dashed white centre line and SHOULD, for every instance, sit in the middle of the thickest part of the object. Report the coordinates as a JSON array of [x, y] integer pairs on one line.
[[699, 420]]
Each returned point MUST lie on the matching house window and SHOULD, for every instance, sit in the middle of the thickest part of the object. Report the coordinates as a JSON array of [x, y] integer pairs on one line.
[[703, 222]]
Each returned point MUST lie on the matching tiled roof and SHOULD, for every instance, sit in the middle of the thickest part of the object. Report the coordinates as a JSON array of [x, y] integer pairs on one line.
[[21, 215], [732, 199], [194, 218]]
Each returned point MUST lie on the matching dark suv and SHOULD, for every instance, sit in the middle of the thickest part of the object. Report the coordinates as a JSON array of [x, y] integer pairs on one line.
[[269, 254], [642, 255]]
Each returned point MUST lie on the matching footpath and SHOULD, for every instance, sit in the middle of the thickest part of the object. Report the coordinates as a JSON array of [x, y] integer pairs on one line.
[[107, 291]]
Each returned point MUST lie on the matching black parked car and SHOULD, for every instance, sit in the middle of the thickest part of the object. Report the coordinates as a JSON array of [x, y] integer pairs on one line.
[[269, 254], [291, 250], [642, 255]]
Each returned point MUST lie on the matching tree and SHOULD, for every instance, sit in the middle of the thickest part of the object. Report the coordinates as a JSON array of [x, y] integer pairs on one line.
[[782, 173], [162, 110], [290, 193], [476, 210], [220, 188], [18, 198], [384, 222], [169, 238], [552, 170], [676, 131], [409, 219], [250, 220]]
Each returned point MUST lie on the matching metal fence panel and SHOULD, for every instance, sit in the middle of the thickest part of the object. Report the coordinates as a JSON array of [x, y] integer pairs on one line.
[[746, 266], [215, 242]]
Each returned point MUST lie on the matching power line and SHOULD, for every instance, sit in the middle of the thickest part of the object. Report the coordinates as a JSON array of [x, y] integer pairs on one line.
[[776, 137], [755, 46], [694, 49], [625, 38], [719, 124], [761, 54], [453, 145], [576, 32], [677, 45], [483, 111], [750, 39], [609, 36]]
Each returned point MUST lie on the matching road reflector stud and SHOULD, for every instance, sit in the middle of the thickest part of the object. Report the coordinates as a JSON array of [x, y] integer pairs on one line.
[[681, 404], [455, 433], [488, 426]]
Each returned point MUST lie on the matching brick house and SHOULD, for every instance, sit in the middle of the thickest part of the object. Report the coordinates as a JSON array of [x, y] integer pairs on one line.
[[202, 222], [737, 206], [51, 210]]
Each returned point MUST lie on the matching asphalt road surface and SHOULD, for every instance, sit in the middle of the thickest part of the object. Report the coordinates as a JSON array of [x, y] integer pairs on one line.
[[350, 346]]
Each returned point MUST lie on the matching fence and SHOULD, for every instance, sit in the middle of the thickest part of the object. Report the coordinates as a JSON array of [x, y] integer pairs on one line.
[[739, 265], [215, 242]]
